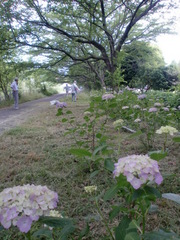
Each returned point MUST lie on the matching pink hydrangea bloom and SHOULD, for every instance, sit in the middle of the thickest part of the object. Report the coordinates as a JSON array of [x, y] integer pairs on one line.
[[138, 170], [107, 96], [21, 205], [153, 109]]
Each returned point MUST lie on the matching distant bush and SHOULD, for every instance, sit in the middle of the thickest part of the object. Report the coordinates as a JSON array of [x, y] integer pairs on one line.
[[47, 92], [171, 99]]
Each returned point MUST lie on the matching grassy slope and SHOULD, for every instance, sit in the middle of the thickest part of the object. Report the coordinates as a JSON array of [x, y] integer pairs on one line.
[[38, 153]]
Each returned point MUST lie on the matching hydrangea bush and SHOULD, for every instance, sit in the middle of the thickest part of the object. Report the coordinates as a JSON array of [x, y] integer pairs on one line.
[[21, 205], [138, 170]]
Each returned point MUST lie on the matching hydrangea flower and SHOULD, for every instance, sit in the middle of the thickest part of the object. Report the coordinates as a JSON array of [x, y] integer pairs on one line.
[[21, 205], [118, 122], [107, 96], [142, 96], [178, 107], [90, 189], [138, 170], [166, 109], [136, 107], [167, 129], [157, 104], [153, 109]]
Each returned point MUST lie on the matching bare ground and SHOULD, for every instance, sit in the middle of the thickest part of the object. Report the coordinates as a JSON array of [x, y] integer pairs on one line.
[[10, 118]]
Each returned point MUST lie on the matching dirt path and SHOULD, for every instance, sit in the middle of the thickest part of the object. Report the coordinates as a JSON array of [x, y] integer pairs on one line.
[[10, 118]]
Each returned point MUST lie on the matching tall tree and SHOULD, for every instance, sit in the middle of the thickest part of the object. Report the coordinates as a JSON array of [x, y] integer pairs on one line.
[[85, 30]]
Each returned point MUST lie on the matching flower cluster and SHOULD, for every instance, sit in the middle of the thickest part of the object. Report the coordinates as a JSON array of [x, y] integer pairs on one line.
[[142, 96], [87, 113], [107, 96], [21, 205], [157, 104], [61, 104], [153, 109], [167, 129], [138, 170], [90, 189], [118, 122], [136, 107]]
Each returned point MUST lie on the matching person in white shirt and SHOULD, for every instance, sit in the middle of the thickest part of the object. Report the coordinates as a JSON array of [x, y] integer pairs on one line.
[[74, 91], [14, 87]]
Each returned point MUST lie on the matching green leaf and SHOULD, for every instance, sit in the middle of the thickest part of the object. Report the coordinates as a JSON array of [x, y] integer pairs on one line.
[[66, 231], [59, 112], [68, 112], [80, 152], [44, 232], [132, 236], [55, 222], [120, 231], [93, 174], [152, 191], [172, 196], [64, 120], [111, 192], [176, 139], [109, 165], [115, 211], [136, 134], [157, 155], [84, 232], [98, 149], [98, 135], [160, 235]]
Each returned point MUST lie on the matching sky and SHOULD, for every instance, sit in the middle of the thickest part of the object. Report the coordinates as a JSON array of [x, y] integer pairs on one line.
[[170, 46]]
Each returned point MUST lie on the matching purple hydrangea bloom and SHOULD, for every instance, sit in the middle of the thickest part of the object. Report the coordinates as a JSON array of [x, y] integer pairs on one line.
[[24, 224], [142, 96], [107, 96], [21, 205], [166, 109], [138, 170], [153, 109]]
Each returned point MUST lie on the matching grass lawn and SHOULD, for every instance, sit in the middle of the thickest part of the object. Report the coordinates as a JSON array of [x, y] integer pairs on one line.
[[37, 153]]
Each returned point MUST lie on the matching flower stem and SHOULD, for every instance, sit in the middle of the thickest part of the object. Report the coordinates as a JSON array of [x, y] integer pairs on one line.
[[104, 221]]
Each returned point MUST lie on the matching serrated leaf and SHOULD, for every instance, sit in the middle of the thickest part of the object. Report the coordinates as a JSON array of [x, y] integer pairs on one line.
[[98, 149], [157, 155], [80, 152], [59, 112], [93, 174], [115, 211], [120, 231], [161, 235], [64, 120], [109, 165], [44, 232], [136, 134], [176, 139], [132, 236], [111, 192], [68, 112]]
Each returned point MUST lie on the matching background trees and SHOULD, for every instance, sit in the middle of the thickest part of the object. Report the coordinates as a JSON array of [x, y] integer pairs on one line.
[[85, 31]]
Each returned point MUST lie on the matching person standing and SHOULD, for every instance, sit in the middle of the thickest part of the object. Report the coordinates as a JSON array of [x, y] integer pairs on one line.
[[67, 89], [14, 87], [74, 90]]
